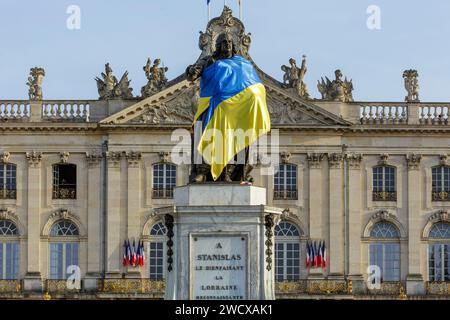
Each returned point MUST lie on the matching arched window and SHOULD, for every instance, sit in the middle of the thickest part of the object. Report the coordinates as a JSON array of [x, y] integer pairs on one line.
[[157, 251], [8, 180], [64, 181], [64, 247], [164, 180], [384, 184], [384, 252], [285, 182], [439, 252], [440, 183], [9, 250], [287, 252]]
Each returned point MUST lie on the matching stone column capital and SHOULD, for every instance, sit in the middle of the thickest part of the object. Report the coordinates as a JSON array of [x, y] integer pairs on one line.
[[113, 158], [335, 160], [354, 160], [315, 159], [93, 159], [133, 159]]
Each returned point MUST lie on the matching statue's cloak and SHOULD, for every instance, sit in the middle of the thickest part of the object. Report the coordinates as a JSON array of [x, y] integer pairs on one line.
[[233, 109]]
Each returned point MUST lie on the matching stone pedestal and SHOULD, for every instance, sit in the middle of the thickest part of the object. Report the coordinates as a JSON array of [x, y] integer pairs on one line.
[[415, 285], [219, 243], [32, 282]]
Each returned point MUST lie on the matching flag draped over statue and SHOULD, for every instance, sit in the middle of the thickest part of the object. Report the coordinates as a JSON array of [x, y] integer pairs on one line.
[[232, 104]]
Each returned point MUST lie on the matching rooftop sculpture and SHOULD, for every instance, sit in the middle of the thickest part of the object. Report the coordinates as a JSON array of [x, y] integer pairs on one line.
[[293, 77], [110, 88], [156, 77], [411, 85], [35, 83], [336, 90]]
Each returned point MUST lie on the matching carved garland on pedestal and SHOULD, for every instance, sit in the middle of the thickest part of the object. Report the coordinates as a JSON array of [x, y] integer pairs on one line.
[[168, 219], [269, 223]]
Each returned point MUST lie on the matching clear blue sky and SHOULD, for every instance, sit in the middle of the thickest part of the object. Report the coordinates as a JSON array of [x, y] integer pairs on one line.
[[333, 34]]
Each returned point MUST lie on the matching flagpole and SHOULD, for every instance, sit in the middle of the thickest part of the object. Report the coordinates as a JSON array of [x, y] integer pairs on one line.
[[209, 12], [240, 10]]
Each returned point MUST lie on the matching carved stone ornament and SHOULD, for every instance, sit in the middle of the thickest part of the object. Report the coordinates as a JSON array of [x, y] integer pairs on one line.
[[7, 214], [4, 157], [413, 161], [441, 215], [285, 157], [34, 159], [35, 83], [383, 159], [315, 159], [411, 85], [113, 158], [110, 88], [383, 215], [164, 157], [133, 159], [180, 108], [64, 157], [335, 160], [443, 159], [336, 90], [354, 160], [93, 159], [225, 23]]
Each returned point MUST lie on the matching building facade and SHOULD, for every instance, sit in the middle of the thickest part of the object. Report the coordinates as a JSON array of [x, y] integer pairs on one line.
[[370, 180]]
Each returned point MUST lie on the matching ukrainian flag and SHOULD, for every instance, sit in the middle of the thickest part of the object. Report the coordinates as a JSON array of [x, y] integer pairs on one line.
[[233, 109]]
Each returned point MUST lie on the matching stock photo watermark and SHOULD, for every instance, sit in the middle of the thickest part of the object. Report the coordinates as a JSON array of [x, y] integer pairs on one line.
[[374, 20], [73, 21]]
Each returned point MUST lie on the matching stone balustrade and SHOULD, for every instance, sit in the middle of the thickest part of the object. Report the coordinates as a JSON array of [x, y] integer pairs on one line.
[[383, 113], [434, 114], [14, 110], [66, 110]]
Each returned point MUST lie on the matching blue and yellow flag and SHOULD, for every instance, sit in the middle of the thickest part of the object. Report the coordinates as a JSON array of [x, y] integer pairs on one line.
[[233, 109]]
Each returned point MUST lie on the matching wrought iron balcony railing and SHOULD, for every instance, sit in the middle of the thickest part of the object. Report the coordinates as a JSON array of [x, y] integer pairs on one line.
[[384, 196], [162, 193], [8, 193], [285, 195], [440, 196], [65, 192]]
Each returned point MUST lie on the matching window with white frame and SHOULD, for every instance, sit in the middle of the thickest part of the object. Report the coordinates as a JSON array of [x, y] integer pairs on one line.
[[156, 252], [439, 252], [64, 181], [164, 180], [287, 252], [9, 250], [440, 183], [285, 182], [384, 251], [384, 184], [8, 180], [64, 248]]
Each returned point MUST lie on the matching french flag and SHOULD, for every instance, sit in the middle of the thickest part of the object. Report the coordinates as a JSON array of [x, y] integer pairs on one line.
[[142, 259], [133, 254], [125, 261], [308, 255]]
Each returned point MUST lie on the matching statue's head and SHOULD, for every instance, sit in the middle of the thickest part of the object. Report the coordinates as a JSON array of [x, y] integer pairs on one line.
[[338, 74], [157, 62], [292, 61], [224, 46]]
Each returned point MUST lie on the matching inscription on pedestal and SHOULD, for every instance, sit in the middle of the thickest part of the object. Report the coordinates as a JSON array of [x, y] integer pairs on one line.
[[218, 267]]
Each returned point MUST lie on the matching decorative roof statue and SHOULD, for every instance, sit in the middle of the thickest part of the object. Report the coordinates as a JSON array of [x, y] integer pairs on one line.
[[336, 90], [110, 88], [293, 77], [411, 85], [35, 83], [156, 77]]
